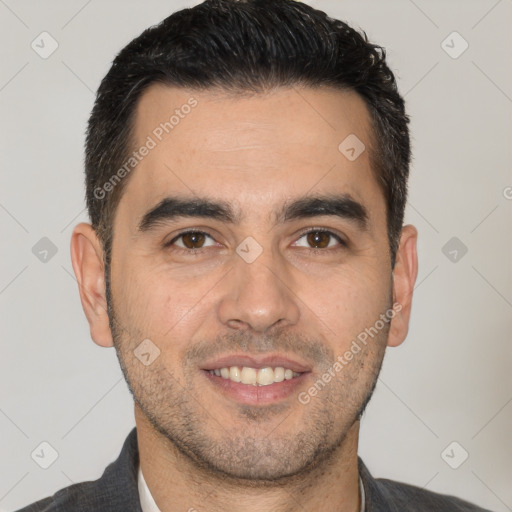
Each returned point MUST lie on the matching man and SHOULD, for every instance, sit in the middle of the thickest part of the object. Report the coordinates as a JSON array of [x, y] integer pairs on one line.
[[246, 172]]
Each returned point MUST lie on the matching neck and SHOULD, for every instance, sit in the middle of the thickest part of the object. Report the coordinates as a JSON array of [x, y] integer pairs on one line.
[[177, 483]]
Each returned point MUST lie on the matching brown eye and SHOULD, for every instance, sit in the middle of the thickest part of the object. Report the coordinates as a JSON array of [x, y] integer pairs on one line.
[[193, 240], [319, 239]]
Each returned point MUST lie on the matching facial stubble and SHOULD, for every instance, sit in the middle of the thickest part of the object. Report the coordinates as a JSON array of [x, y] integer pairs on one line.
[[262, 445]]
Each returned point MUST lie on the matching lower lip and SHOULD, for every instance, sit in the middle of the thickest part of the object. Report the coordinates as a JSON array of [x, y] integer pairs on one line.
[[256, 395]]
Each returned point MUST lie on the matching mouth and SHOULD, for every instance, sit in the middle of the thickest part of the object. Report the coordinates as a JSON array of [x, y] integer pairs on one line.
[[253, 380], [255, 376]]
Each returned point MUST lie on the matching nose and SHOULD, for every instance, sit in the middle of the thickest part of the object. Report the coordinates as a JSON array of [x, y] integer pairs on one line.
[[259, 295]]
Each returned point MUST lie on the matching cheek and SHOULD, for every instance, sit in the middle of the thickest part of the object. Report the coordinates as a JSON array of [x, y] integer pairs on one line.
[[158, 304], [136, 296], [350, 302]]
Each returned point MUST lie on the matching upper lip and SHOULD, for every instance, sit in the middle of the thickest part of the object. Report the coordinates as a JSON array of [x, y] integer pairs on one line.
[[256, 361]]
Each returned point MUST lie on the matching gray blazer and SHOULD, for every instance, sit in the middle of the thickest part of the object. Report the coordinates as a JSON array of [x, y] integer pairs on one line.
[[117, 490]]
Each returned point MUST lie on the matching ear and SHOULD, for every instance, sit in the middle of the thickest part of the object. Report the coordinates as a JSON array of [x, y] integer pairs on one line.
[[404, 277], [87, 259]]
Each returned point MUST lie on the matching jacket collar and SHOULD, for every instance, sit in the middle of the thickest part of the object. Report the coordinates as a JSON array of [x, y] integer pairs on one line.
[[375, 499]]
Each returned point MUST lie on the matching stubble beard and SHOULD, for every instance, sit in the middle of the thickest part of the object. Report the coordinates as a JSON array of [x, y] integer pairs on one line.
[[270, 448]]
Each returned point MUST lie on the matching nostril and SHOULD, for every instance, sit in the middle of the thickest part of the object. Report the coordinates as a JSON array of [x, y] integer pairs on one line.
[[237, 324]]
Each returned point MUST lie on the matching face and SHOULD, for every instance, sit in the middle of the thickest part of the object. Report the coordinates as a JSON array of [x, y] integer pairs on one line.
[[250, 253]]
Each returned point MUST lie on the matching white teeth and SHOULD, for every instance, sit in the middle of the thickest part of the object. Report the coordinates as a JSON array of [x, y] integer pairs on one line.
[[265, 376], [234, 374], [248, 376], [279, 374], [255, 376]]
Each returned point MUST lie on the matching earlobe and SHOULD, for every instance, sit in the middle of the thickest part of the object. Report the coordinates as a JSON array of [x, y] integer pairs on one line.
[[87, 260], [404, 278]]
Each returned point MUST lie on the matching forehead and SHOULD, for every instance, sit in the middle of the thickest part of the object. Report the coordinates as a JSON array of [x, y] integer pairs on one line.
[[249, 149]]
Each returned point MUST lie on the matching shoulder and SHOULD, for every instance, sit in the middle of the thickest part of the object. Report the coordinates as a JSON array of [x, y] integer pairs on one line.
[[414, 499], [384, 495], [115, 490], [81, 497]]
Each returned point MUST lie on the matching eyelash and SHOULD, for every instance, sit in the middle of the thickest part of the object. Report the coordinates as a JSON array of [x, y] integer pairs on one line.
[[342, 243]]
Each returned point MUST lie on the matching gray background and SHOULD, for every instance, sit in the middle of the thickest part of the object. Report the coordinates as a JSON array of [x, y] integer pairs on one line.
[[451, 379]]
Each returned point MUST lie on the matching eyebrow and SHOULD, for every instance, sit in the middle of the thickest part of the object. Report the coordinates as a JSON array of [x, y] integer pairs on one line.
[[339, 205]]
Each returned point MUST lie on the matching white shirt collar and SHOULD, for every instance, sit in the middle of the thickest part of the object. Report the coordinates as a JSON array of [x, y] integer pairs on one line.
[[361, 491], [148, 504]]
